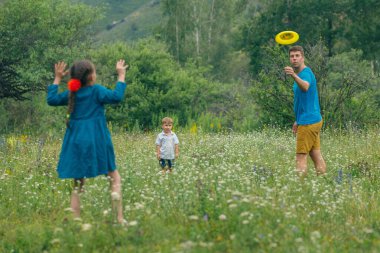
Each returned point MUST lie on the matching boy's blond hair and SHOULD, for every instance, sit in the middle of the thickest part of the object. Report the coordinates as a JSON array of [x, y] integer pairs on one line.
[[167, 120]]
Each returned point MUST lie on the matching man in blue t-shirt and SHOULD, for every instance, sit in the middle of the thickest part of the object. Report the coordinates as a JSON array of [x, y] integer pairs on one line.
[[309, 121]]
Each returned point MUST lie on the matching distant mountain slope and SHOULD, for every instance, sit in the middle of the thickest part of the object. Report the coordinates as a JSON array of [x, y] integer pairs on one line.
[[126, 20]]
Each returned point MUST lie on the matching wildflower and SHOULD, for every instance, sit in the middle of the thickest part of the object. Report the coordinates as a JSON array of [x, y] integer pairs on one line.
[[368, 230], [58, 230], [133, 223], [243, 214], [222, 217], [236, 195], [188, 244], [314, 236], [55, 241], [193, 217], [206, 244], [232, 206], [194, 129], [115, 196], [86, 227], [273, 245], [139, 206]]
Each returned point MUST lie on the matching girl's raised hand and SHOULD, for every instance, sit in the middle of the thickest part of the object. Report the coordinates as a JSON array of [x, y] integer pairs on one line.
[[121, 69], [59, 71]]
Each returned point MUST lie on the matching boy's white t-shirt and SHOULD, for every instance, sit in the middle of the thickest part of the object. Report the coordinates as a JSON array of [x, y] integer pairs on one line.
[[167, 145]]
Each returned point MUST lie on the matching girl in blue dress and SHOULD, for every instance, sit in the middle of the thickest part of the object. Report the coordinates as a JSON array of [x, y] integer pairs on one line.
[[87, 149]]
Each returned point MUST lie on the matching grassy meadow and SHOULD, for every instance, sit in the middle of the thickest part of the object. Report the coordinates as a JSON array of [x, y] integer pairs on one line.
[[229, 192]]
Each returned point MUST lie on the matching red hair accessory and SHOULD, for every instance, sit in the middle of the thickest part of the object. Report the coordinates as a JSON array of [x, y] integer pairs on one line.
[[74, 85]]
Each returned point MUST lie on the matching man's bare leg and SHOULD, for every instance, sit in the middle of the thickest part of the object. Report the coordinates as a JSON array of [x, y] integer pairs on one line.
[[319, 162]]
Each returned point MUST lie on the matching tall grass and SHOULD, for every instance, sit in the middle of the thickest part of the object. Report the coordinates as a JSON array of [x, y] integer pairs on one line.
[[228, 193]]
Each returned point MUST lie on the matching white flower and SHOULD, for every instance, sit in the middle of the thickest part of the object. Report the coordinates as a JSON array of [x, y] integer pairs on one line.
[[55, 241], [245, 222], [139, 206], [188, 244], [222, 217], [232, 206], [206, 244], [193, 217], [273, 245], [243, 214], [133, 223], [86, 227], [115, 196], [58, 230], [315, 234]]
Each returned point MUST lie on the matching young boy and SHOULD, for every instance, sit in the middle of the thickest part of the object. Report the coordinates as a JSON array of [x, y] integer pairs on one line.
[[167, 145]]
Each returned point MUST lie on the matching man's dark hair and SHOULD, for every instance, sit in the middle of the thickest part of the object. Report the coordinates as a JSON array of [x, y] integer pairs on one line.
[[296, 49]]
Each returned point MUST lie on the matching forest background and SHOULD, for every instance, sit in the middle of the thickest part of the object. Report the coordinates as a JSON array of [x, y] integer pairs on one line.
[[211, 65]]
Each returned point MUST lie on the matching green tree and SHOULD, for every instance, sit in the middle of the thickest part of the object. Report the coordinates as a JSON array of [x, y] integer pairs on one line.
[[201, 30], [272, 90], [156, 85], [362, 30], [352, 86], [34, 34]]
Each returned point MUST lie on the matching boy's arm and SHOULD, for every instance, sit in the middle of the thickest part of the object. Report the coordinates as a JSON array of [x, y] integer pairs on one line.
[[158, 152], [176, 150]]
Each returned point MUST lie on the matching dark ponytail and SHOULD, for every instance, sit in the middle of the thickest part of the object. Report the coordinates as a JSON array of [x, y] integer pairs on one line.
[[79, 72], [70, 107]]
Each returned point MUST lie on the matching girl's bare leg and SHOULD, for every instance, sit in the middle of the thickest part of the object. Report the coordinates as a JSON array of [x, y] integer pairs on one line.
[[75, 199], [115, 181]]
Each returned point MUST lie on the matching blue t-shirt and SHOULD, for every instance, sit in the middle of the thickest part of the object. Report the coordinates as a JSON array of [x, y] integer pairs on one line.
[[306, 103]]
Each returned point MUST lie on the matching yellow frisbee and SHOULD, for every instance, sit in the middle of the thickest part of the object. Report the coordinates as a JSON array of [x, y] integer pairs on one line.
[[287, 37]]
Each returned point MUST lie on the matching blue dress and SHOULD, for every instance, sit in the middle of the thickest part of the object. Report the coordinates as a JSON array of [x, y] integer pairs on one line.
[[87, 149]]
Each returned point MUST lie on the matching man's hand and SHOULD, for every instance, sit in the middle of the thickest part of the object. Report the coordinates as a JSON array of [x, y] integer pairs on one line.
[[289, 71], [294, 128]]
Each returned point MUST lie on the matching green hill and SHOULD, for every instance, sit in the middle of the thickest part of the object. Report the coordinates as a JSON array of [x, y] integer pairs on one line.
[[126, 20]]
